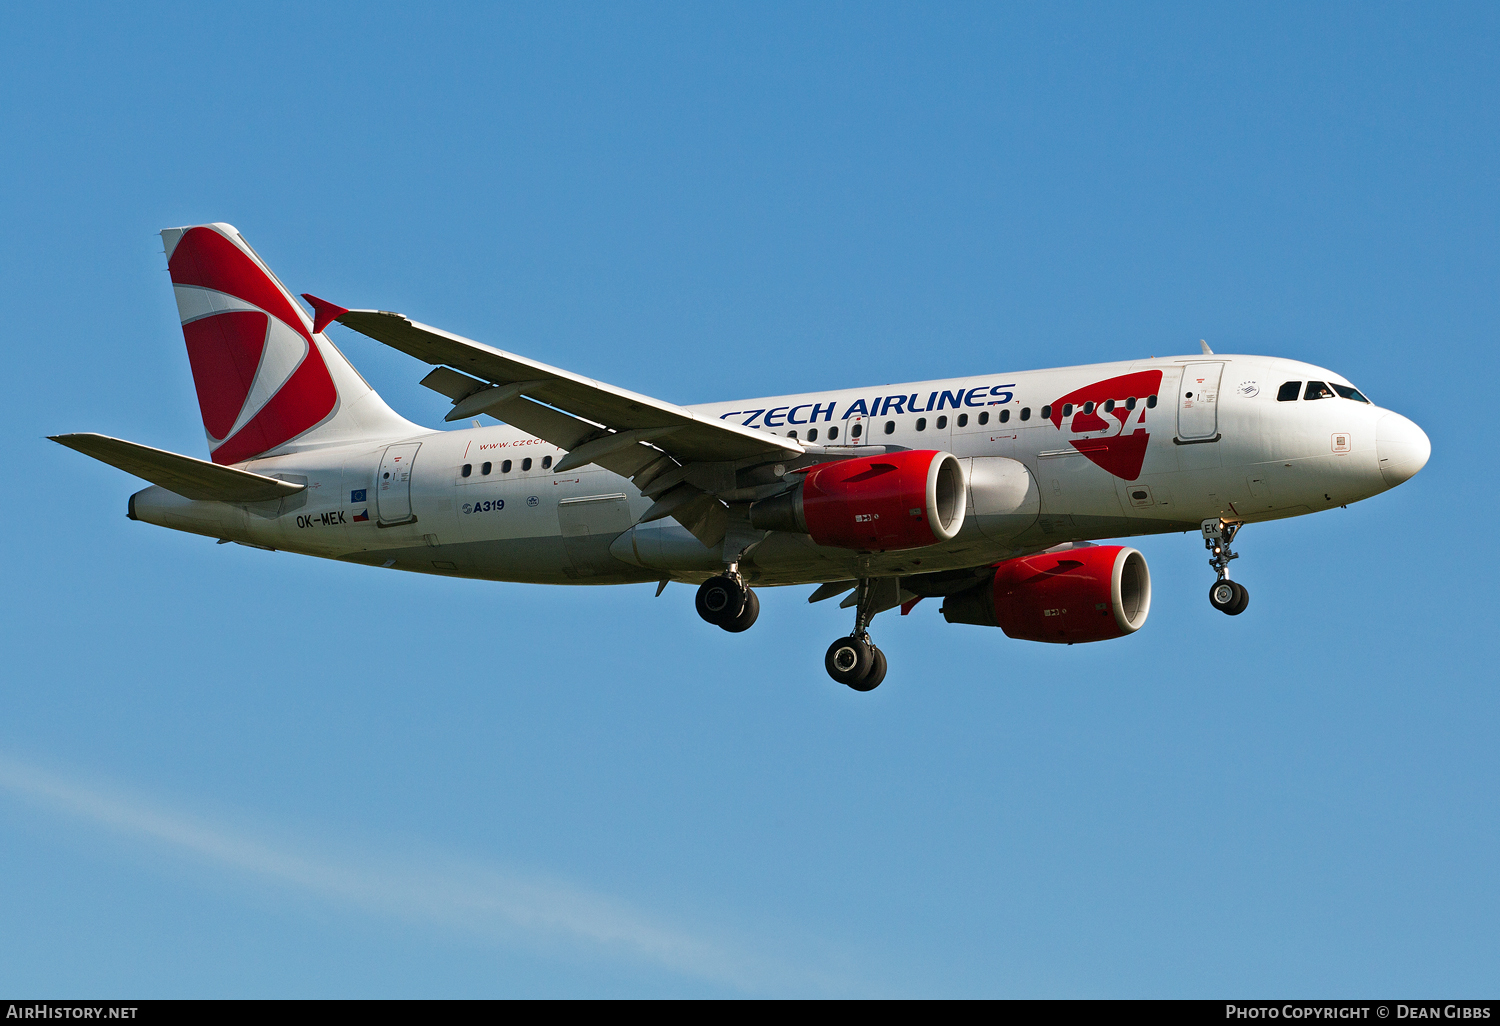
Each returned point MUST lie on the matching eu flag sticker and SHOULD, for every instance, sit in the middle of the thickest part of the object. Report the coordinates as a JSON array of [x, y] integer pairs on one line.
[[358, 495]]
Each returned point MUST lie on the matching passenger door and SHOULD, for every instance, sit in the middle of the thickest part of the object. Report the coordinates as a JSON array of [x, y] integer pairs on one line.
[[1198, 402], [393, 485]]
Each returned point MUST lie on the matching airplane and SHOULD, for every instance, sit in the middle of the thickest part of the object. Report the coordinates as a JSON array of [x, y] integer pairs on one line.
[[988, 492]]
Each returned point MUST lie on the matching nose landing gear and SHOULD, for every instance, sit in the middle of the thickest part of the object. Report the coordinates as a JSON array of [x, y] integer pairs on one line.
[[726, 601], [1230, 597]]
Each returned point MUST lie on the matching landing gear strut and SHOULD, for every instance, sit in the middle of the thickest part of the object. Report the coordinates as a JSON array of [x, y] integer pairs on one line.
[[855, 661], [1226, 596], [726, 601]]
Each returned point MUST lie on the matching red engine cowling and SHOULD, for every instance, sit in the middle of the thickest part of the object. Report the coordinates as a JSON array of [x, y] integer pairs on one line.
[[1086, 594], [899, 500]]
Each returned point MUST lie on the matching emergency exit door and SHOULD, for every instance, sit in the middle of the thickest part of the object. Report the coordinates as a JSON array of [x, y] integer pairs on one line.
[[1198, 402], [393, 488]]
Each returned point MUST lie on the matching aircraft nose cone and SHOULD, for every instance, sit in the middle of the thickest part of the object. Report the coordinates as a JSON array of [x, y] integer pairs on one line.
[[1401, 447]]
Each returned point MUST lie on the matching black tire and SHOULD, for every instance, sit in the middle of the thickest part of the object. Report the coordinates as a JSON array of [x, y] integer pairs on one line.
[[747, 616], [872, 679], [1223, 595], [1241, 602], [849, 660], [720, 599]]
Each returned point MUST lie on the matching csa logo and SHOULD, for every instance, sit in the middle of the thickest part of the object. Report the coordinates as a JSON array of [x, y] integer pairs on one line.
[[1111, 417]]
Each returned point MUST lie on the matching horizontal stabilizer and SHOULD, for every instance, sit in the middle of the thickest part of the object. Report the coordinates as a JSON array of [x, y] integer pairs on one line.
[[190, 478]]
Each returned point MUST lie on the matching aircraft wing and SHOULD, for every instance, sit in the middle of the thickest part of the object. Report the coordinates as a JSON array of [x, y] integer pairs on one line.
[[586, 417], [188, 477]]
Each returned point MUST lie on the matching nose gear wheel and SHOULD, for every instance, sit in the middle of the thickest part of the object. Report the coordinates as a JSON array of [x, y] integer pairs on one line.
[[1228, 597]]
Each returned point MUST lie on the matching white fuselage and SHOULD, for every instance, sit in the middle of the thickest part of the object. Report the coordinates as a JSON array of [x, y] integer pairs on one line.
[[1230, 449]]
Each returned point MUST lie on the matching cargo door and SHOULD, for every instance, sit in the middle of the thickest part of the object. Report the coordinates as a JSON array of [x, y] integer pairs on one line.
[[393, 485], [589, 524]]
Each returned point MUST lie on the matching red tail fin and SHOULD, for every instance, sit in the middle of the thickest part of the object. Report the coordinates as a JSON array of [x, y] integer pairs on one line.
[[260, 379], [264, 376]]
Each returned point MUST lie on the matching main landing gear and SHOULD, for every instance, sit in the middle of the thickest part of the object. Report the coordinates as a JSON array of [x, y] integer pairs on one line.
[[855, 661], [726, 601], [1226, 596]]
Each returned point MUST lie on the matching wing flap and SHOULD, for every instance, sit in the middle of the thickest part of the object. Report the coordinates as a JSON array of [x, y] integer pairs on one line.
[[188, 477], [694, 440]]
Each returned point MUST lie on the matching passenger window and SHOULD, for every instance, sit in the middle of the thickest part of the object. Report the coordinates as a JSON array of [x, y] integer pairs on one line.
[[1046, 411], [942, 423], [1067, 409], [921, 423], [1109, 406], [484, 469], [1026, 413], [1004, 416], [526, 463], [812, 434], [963, 420], [505, 467], [1088, 408], [1130, 403], [1150, 402], [791, 434], [468, 469], [984, 418], [856, 431], [546, 462], [1317, 390], [1349, 393], [833, 433], [890, 427], [1288, 392]]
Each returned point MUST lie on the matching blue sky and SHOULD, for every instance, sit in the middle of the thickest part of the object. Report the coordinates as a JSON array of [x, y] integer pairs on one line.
[[230, 772]]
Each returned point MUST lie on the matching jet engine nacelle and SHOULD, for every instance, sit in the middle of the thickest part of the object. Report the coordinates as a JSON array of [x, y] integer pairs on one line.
[[1085, 594], [898, 500]]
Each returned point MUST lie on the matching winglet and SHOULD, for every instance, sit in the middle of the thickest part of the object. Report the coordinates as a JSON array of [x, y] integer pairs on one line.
[[324, 312], [1202, 342]]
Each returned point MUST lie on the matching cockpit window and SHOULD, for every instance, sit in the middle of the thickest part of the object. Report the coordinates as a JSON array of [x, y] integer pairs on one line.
[[1288, 393], [1317, 390], [1349, 393]]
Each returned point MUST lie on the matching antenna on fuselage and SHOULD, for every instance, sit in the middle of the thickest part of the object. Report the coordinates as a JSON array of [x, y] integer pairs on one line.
[[1206, 351]]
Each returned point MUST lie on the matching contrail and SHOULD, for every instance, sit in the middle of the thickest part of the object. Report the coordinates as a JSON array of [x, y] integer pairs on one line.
[[482, 901]]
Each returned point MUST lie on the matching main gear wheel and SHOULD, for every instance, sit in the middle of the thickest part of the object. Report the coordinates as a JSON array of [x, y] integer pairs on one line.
[[721, 599], [856, 663]]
